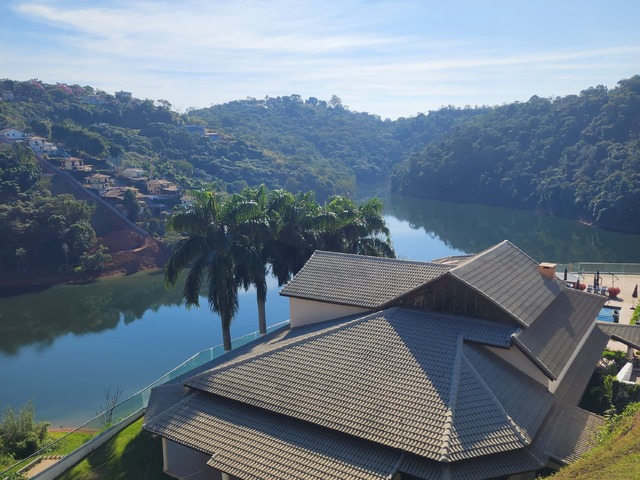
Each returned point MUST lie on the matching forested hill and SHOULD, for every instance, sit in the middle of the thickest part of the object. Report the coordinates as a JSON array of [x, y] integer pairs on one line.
[[576, 156], [327, 135]]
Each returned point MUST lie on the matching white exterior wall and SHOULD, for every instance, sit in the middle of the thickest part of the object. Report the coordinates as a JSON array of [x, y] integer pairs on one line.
[[12, 134], [307, 312], [519, 360]]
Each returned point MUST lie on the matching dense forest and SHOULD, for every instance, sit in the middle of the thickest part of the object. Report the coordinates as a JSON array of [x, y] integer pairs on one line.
[[574, 156], [40, 232]]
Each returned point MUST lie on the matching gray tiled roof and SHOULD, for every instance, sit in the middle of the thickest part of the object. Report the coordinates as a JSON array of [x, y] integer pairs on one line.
[[386, 378], [252, 444], [629, 334], [576, 377], [163, 397], [567, 433], [359, 280], [510, 278], [526, 401], [555, 335], [494, 466]]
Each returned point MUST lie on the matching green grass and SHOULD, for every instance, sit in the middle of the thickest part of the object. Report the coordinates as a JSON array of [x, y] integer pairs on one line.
[[68, 445], [617, 456], [133, 453]]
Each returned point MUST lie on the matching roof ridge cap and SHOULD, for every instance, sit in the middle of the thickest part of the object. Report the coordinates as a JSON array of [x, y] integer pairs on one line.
[[445, 446], [495, 247], [382, 259], [480, 253]]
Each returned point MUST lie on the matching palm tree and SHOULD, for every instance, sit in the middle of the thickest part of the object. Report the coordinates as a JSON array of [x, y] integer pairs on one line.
[[284, 238], [359, 230], [255, 270], [298, 220], [213, 246]]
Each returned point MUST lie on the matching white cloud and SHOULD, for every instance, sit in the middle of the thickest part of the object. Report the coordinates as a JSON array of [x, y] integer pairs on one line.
[[385, 57]]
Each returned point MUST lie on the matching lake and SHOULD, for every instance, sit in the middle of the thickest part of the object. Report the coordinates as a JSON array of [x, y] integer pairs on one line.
[[65, 346]]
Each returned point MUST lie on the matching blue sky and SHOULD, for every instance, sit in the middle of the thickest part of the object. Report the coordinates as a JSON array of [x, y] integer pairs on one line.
[[391, 58]]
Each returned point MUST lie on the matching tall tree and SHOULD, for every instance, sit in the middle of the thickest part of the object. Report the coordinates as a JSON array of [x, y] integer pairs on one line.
[[254, 270], [357, 229], [213, 247]]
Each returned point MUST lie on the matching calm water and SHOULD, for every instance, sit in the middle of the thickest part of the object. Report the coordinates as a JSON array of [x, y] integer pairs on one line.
[[64, 346]]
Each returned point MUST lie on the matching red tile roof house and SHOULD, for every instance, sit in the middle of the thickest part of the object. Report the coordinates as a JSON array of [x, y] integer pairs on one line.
[[462, 368]]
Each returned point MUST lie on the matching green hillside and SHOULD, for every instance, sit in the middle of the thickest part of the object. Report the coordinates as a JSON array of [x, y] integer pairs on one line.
[[576, 156]]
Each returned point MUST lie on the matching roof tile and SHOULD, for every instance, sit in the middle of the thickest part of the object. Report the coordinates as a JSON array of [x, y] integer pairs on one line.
[[359, 280]]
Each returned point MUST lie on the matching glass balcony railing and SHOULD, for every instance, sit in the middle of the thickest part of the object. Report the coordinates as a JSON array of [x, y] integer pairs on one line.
[[126, 410]]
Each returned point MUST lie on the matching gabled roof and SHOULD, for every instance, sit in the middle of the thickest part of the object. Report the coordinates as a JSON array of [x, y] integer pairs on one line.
[[510, 278], [359, 280], [627, 334], [556, 333]]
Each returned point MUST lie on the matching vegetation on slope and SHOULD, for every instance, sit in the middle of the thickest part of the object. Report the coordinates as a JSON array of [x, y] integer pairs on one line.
[[617, 454], [39, 232], [576, 156]]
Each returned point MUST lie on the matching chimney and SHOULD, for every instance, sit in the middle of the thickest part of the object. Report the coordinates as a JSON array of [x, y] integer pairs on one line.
[[547, 270]]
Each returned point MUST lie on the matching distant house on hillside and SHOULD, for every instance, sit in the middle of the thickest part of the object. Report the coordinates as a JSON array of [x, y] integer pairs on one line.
[[95, 100], [99, 181], [41, 145], [463, 368], [213, 136], [162, 188], [132, 173], [74, 164], [123, 95], [115, 195], [12, 134]]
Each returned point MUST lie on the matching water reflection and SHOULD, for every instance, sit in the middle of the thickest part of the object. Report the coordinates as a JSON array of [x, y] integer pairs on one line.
[[472, 228], [39, 318]]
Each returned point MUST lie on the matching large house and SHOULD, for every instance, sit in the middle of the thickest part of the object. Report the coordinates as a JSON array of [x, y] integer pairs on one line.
[[462, 368]]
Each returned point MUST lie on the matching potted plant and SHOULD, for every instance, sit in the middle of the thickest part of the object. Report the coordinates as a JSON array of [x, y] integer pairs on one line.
[[613, 291]]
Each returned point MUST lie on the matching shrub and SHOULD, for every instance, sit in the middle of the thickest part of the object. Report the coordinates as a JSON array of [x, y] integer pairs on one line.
[[635, 316], [93, 262], [21, 434]]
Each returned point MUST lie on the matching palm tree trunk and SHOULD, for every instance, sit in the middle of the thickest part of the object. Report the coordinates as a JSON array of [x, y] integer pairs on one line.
[[226, 338], [262, 317]]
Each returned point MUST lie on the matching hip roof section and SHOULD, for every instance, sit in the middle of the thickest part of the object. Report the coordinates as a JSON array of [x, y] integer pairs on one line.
[[358, 280], [399, 378]]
